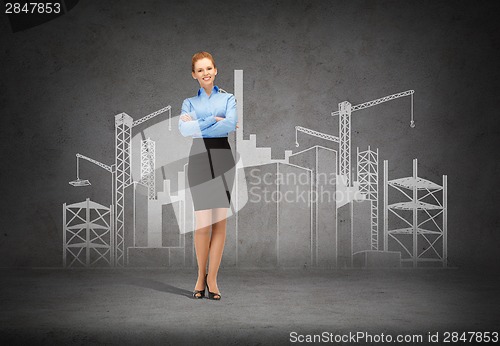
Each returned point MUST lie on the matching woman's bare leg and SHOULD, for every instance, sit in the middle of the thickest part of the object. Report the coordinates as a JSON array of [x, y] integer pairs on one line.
[[202, 244], [219, 217]]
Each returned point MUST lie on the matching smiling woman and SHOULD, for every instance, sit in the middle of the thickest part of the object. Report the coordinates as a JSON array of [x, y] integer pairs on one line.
[[209, 117], [209, 114], [204, 69]]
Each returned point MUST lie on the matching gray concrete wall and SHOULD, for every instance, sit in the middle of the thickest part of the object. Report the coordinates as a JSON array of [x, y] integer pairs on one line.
[[63, 81]]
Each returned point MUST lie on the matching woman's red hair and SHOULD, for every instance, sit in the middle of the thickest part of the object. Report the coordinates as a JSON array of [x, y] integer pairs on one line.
[[201, 55]]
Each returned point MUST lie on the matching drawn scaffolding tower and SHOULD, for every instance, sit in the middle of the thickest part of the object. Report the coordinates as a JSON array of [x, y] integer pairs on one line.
[[367, 175], [88, 235], [148, 166], [425, 234]]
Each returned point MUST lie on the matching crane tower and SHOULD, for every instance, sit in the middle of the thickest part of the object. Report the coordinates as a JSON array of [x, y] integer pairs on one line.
[[344, 112], [123, 177], [148, 155]]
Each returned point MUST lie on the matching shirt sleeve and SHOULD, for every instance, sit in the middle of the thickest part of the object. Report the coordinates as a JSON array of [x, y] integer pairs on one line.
[[225, 125], [193, 127]]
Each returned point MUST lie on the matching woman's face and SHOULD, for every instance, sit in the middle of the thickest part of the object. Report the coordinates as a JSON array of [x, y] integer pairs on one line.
[[204, 72]]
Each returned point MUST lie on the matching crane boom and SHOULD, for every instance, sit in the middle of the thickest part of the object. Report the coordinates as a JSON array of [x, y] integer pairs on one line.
[[314, 133], [378, 101], [102, 165], [344, 113], [152, 115]]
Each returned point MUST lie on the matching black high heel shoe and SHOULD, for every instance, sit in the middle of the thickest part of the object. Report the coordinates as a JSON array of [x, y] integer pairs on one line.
[[201, 293], [212, 295]]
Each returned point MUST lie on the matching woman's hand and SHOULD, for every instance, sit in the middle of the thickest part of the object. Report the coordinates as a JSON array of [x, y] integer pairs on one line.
[[221, 118], [186, 117]]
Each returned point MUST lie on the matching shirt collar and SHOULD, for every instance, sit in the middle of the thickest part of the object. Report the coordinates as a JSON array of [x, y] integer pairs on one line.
[[201, 90]]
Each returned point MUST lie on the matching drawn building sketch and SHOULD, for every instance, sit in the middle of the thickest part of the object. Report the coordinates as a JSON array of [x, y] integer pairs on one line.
[[122, 177], [322, 161], [329, 220]]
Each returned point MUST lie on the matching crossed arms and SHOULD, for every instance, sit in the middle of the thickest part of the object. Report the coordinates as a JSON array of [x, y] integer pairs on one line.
[[190, 125]]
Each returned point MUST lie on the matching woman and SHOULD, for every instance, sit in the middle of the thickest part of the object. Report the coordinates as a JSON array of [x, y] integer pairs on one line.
[[209, 117]]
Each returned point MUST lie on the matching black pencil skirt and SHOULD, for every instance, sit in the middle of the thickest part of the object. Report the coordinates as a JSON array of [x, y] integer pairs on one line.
[[211, 171]]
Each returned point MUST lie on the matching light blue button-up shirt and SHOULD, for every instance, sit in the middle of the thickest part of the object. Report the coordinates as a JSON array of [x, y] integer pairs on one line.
[[203, 109]]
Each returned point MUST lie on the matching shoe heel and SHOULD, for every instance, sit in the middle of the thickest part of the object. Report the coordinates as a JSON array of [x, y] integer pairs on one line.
[[211, 295], [202, 292]]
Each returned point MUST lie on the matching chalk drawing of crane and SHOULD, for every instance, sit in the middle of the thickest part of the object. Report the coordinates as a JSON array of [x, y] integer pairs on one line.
[[121, 171]]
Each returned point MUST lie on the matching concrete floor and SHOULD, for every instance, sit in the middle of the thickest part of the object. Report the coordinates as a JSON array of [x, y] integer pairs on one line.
[[154, 306]]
